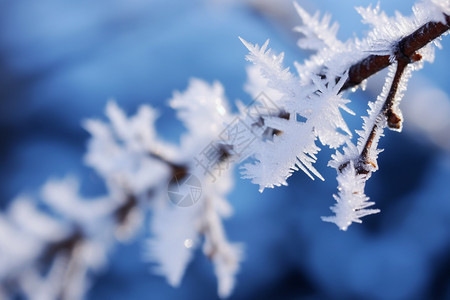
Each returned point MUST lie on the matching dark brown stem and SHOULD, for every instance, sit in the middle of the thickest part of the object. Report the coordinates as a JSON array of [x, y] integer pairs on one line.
[[68, 245], [363, 161], [408, 46], [64, 246], [387, 112], [178, 170], [124, 210], [393, 120], [405, 54]]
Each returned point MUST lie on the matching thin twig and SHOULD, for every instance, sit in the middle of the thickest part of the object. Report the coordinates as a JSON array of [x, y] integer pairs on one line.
[[386, 113]]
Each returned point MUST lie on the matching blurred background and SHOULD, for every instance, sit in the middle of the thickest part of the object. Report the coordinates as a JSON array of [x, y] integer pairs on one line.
[[60, 62]]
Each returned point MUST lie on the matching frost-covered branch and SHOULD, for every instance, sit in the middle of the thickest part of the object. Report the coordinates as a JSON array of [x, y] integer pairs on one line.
[[184, 186], [402, 43], [357, 164], [361, 161], [141, 173], [49, 257]]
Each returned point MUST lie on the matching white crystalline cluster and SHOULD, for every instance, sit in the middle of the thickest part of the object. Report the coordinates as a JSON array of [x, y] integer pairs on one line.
[[21, 241], [120, 151], [128, 154], [373, 125], [26, 233], [352, 203], [225, 256], [295, 148], [202, 108], [433, 10], [177, 232], [387, 31], [175, 235], [325, 106], [318, 33], [137, 167]]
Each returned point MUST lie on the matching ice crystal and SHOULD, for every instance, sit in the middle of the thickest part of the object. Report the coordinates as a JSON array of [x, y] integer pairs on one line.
[[352, 203]]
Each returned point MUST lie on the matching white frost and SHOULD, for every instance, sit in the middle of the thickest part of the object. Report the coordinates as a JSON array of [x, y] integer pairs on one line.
[[352, 203]]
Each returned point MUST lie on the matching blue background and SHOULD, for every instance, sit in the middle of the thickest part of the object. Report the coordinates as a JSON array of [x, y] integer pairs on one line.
[[60, 61]]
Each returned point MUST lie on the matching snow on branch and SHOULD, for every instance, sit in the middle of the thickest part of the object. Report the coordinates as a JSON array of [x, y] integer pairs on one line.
[[139, 170]]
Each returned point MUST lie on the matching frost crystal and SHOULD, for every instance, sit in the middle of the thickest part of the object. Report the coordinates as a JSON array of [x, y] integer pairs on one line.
[[175, 236], [202, 108], [85, 227], [120, 151], [351, 201], [328, 101], [318, 33], [305, 113]]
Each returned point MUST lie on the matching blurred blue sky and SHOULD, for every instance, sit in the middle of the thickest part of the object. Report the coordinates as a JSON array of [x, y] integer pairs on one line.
[[60, 61]]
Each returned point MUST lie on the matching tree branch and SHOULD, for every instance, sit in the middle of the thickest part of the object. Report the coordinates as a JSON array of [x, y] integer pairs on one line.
[[405, 53], [407, 46]]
